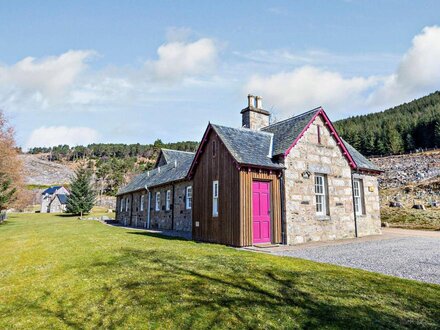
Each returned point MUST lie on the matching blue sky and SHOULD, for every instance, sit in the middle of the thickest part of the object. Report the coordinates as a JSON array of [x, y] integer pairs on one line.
[[79, 72]]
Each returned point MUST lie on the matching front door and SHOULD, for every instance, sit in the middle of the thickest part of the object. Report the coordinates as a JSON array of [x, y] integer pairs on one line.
[[261, 212]]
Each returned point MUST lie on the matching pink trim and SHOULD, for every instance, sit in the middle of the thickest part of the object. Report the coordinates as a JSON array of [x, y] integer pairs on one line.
[[199, 151], [333, 132]]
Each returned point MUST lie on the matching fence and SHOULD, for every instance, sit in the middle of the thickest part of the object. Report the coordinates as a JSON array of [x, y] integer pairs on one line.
[[2, 216]]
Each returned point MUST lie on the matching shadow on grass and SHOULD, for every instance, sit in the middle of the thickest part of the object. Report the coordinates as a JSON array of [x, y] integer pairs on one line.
[[67, 215], [159, 235], [172, 290]]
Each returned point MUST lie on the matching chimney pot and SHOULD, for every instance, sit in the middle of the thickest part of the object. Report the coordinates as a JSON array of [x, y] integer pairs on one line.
[[259, 102], [251, 101]]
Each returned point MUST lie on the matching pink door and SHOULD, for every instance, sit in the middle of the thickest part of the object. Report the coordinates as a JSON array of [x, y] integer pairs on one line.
[[261, 212]]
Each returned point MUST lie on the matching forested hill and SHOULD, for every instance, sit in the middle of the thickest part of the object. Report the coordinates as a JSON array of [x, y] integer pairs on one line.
[[112, 164], [404, 128], [110, 150]]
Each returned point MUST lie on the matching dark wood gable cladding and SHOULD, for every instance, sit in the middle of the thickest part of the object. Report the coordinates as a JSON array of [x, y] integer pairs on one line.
[[233, 225]]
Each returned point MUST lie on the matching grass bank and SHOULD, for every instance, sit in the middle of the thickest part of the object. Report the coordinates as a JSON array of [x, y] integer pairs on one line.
[[59, 272], [408, 218]]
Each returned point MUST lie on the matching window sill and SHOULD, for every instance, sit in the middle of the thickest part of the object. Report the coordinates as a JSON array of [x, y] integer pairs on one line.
[[361, 215], [323, 217]]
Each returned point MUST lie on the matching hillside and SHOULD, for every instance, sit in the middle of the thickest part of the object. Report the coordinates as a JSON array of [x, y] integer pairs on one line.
[[411, 179], [404, 128], [113, 165], [40, 172]]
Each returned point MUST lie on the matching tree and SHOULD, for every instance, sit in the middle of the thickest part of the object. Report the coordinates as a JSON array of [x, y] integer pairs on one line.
[[7, 191], [10, 166], [82, 196]]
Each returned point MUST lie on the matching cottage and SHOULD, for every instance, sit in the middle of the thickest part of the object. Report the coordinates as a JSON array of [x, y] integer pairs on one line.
[[287, 183], [160, 198], [54, 200]]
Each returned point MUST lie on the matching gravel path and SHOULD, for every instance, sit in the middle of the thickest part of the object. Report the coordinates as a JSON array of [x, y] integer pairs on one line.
[[416, 258]]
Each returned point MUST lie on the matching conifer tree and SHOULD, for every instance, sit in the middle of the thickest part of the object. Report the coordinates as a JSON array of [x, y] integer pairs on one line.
[[7, 192], [82, 196]]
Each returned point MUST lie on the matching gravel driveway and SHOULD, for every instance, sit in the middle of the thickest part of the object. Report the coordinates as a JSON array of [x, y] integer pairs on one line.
[[403, 253]]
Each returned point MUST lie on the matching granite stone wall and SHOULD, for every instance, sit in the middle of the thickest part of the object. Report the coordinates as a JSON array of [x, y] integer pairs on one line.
[[254, 120], [176, 218], [369, 223], [310, 157]]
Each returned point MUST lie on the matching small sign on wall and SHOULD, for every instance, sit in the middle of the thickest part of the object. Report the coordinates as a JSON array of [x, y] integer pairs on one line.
[[371, 189], [306, 174], [197, 223]]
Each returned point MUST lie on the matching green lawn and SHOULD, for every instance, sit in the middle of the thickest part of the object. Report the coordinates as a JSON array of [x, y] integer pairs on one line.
[[59, 272]]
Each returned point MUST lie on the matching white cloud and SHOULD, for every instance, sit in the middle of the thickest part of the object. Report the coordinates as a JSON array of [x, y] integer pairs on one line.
[[56, 135], [180, 59], [45, 78], [308, 86], [418, 71]]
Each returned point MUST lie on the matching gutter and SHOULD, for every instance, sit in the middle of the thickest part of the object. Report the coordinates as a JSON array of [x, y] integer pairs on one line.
[[131, 209], [148, 210], [172, 211], [354, 208], [283, 211]]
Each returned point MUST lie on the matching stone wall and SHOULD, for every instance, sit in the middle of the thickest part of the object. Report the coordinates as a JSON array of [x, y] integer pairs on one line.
[[307, 158], [161, 219], [369, 223], [177, 218], [254, 119], [182, 216]]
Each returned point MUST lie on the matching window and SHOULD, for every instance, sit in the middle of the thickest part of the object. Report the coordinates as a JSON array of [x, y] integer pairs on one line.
[[168, 200], [188, 202], [215, 198], [127, 202], [122, 205], [158, 201], [358, 195], [321, 194], [142, 202], [214, 148]]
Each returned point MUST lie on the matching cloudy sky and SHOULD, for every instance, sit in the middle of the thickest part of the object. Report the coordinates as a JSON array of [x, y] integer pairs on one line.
[[79, 72]]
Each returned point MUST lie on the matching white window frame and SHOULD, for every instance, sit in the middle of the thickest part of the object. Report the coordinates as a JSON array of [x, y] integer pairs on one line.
[[358, 196], [121, 207], [157, 205], [168, 200], [321, 195], [215, 188], [142, 202], [127, 202], [188, 199]]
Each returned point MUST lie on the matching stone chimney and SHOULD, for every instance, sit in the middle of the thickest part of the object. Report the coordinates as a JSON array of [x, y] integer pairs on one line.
[[254, 116]]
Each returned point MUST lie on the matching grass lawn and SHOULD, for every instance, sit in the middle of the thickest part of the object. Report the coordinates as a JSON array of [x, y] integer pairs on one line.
[[59, 272]]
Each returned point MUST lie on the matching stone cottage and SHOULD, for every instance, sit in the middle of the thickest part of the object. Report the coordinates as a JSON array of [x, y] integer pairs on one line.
[[54, 200], [160, 198], [290, 182]]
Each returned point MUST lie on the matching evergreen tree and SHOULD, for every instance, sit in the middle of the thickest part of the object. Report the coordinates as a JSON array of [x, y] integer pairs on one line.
[[7, 192], [82, 196]]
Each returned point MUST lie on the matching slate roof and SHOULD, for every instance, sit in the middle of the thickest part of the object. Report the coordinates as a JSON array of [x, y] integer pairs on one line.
[[361, 161], [62, 198], [248, 147], [285, 132], [164, 174], [176, 155], [51, 190]]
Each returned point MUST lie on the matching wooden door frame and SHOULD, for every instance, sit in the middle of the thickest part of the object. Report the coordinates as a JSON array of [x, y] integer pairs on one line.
[[270, 182]]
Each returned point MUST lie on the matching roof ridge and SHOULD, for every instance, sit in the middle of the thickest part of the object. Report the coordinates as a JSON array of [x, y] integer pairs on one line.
[[174, 150], [244, 129], [294, 117]]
